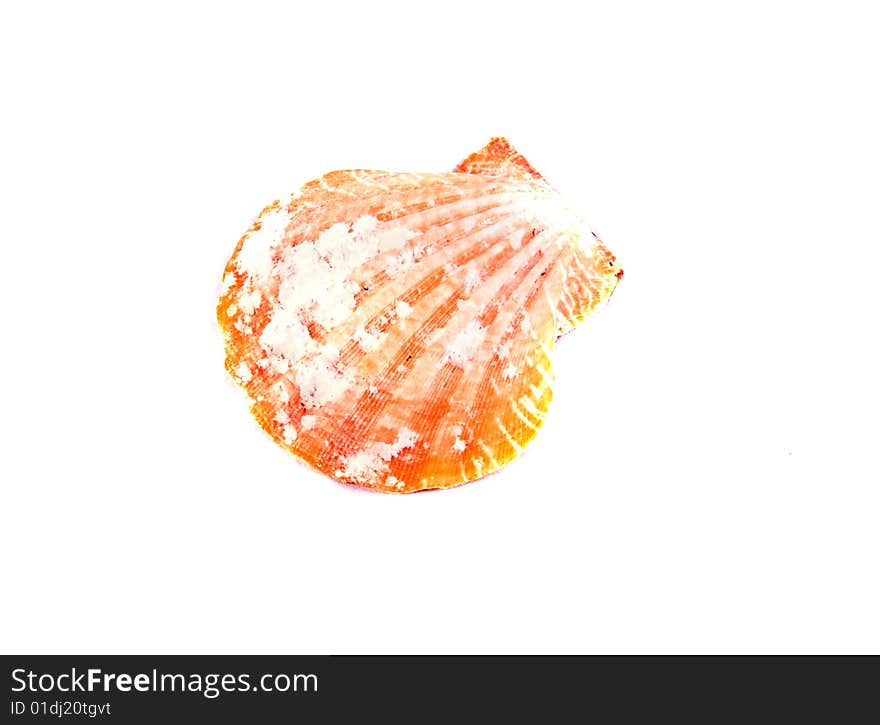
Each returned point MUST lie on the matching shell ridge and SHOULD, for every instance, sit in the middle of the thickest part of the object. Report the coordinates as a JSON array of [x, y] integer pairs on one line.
[[369, 287], [313, 219], [450, 376], [382, 277], [443, 242], [488, 384], [443, 384], [419, 289], [590, 280], [464, 184], [271, 291], [356, 425]]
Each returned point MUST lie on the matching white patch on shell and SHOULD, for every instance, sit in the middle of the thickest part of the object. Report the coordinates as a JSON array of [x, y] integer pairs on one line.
[[281, 392], [365, 225], [465, 343], [289, 434], [316, 283], [471, 280], [367, 341], [509, 372], [435, 337], [255, 256], [469, 307], [243, 372], [405, 439], [362, 467], [319, 380], [307, 422], [287, 336], [459, 445], [228, 281], [367, 465], [231, 310], [279, 364], [402, 309], [394, 237], [249, 301], [281, 416], [400, 263], [393, 482]]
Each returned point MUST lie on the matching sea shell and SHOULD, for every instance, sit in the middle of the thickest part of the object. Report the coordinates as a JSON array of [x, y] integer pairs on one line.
[[396, 330]]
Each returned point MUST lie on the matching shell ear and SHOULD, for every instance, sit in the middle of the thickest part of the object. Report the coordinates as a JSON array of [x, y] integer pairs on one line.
[[498, 158], [591, 275]]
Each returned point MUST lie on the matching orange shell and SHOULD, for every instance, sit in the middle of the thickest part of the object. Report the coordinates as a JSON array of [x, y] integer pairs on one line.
[[396, 330]]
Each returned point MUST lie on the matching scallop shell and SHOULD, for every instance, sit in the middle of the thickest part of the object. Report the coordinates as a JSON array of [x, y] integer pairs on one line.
[[396, 330]]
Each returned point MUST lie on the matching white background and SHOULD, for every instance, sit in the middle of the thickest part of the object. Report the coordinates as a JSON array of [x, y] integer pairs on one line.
[[707, 479]]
